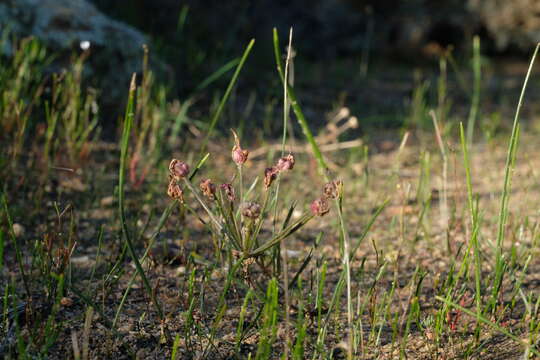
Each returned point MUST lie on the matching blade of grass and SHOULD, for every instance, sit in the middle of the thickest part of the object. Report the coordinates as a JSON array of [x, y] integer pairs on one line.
[[225, 97], [475, 102], [503, 212], [296, 108], [344, 235], [285, 260], [161, 223], [128, 122], [18, 253], [474, 225], [341, 282], [217, 74]]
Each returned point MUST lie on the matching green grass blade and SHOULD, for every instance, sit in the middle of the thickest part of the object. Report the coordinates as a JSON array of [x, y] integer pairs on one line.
[[225, 97], [474, 222], [297, 110], [18, 252], [128, 123], [161, 223], [217, 74], [510, 159], [475, 102]]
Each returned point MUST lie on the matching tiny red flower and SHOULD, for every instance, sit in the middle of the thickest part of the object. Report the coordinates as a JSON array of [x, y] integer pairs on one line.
[[178, 169], [251, 210], [239, 155], [229, 191], [320, 206], [175, 191], [208, 189], [270, 175], [285, 163], [333, 189]]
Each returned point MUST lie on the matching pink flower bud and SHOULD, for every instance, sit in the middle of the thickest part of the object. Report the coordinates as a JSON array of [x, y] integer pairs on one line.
[[175, 191], [270, 175], [320, 207], [239, 155], [208, 189], [178, 169], [229, 191], [285, 163], [251, 210]]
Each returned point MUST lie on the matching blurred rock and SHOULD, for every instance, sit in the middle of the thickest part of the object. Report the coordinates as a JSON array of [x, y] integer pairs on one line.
[[107, 201], [513, 23], [67, 27], [18, 230]]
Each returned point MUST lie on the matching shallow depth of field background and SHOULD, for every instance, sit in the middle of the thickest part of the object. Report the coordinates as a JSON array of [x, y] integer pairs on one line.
[[414, 123]]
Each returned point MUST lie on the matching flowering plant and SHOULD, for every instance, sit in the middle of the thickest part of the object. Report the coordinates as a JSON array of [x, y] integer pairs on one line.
[[234, 219]]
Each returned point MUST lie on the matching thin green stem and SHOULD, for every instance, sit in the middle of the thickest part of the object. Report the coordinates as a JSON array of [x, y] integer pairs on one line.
[[503, 212], [474, 225], [475, 102], [297, 109], [128, 123], [225, 97], [161, 223]]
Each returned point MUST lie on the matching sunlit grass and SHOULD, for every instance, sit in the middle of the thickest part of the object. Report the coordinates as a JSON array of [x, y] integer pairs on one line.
[[300, 255]]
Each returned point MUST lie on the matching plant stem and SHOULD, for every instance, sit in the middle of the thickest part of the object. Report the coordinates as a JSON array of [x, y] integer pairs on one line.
[[128, 122]]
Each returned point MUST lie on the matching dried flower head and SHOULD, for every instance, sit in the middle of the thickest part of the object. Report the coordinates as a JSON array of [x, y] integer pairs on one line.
[[178, 169], [175, 191], [239, 155], [320, 206], [229, 191], [251, 210], [333, 189], [270, 175], [285, 163], [208, 188]]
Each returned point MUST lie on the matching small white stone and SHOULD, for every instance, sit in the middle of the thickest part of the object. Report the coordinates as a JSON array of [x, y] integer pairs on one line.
[[18, 230], [293, 253], [85, 45], [107, 201], [181, 270]]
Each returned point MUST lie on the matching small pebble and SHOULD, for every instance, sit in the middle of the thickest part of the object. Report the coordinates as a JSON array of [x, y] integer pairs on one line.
[[18, 230], [107, 201], [65, 301]]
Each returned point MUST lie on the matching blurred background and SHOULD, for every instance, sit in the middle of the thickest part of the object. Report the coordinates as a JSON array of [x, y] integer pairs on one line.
[[379, 58]]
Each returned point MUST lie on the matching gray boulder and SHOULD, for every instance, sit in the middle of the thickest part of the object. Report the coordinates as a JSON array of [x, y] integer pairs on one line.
[[64, 26]]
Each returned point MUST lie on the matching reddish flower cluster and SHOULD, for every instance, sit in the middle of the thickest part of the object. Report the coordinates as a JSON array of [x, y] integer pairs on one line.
[[229, 191], [175, 191], [320, 206], [251, 210], [208, 189], [270, 174], [331, 190], [177, 170], [283, 164]]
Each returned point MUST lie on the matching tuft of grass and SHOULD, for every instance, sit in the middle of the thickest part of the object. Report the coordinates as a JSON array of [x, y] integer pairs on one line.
[[128, 122], [500, 265]]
